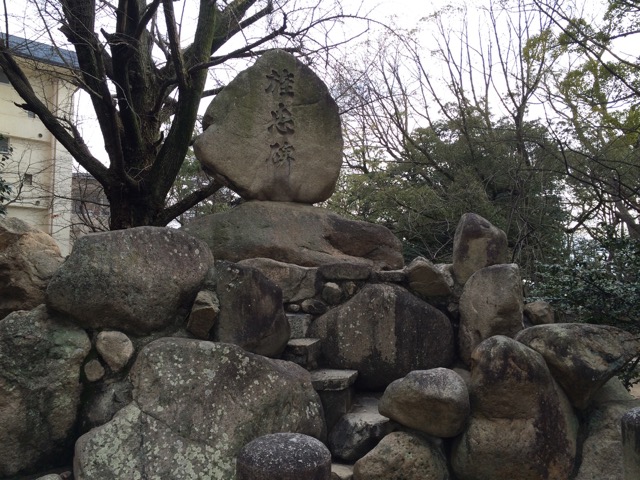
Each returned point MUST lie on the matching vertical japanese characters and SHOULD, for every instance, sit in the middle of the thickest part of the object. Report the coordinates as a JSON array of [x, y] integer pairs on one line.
[[282, 125]]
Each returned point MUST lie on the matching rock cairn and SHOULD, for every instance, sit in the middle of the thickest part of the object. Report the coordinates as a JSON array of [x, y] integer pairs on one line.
[[168, 354]]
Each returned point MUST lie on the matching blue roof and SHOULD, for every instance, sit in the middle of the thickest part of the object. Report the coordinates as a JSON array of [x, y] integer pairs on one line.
[[41, 52]]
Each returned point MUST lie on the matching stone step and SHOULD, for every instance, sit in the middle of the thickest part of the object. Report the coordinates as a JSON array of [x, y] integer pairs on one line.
[[299, 323], [356, 433], [335, 388], [341, 471], [303, 351]]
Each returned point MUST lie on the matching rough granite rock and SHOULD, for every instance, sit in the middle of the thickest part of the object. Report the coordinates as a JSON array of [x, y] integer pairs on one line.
[[356, 433], [476, 244], [284, 456], [251, 313], [295, 233], [602, 452], [40, 362], [581, 357], [115, 348], [274, 133], [384, 332], [28, 259], [522, 425], [403, 456], [491, 304], [195, 405], [204, 314], [538, 313], [297, 283], [138, 280], [429, 280], [434, 401]]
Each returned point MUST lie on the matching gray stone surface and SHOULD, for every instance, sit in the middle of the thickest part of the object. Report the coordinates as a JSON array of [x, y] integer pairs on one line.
[[491, 304], [522, 425], [196, 404], [115, 348], [94, 370], [251, 313], [295, 233], [138, 280], [476, 244], [582, 357], [332, 293], [331, 379], [602, 449], [303, 351], [299, 324], [284, 456], [40, 363], [356, 433], [403, 456], [538, 313], [102, 401], [384, 332], [274, 133], [344, 271], [204, 314], [631, 444], [28, 259], [297, 283], [434, 401], [340, 471], [429, 280]]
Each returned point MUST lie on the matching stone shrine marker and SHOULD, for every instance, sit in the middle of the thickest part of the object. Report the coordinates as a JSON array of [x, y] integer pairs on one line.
[[274, 133]]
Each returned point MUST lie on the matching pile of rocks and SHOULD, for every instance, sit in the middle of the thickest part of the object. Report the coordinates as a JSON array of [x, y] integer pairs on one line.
[[142, 356]]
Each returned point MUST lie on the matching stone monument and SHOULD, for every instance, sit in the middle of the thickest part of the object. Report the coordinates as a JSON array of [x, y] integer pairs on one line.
[[274, 133]]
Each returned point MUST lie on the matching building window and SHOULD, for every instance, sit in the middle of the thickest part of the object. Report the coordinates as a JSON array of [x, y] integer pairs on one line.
[[27, 179], [4, 145]]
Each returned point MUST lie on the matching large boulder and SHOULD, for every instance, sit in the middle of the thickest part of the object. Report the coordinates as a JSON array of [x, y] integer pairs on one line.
[[403, 456], [294, 233], [602, 449], [138, 280], [384, 332], [251, 313], [491, 304], [40, 363], [477, 244], [196, 404], [297, 283], [581, 357], [28, 259], [522, 425], [274, 133], [429, 280], [434, 401]]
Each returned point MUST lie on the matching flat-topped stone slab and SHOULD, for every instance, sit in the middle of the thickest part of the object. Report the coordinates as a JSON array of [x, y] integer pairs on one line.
[[274, 133], [327, 379]]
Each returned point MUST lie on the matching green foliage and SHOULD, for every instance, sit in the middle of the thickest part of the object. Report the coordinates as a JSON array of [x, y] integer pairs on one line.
[[454, 168], [190, 178], [597, 282]]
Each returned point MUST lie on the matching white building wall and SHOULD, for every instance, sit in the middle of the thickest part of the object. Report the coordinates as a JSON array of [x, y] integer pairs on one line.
[[46, 202]]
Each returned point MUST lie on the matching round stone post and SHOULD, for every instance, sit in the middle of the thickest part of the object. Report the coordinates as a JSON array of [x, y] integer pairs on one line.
[[631, 444], [284, 456]]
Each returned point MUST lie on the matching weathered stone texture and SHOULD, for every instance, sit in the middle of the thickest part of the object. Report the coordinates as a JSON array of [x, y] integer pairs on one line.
[[274, 133], [28, 259], [434, 401], [476, 244], [40, 364], [384, 332], [298, 234], [196, 404], [134, 280]]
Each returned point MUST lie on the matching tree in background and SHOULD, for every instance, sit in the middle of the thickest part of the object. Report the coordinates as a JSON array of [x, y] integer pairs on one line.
[[142, 68], [426, 146]]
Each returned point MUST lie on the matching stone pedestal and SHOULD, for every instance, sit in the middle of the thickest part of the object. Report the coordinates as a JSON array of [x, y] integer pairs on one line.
[[285, 456]]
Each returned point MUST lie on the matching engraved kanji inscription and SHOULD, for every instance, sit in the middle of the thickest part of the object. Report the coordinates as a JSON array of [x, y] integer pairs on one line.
[[281, 153], [281, 120], [282, 82]]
